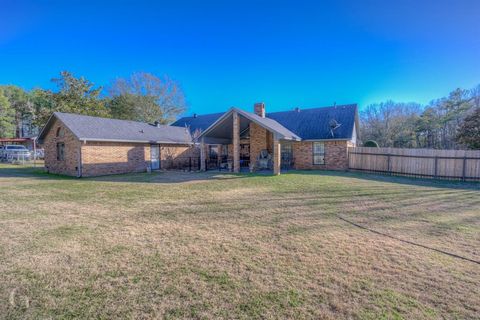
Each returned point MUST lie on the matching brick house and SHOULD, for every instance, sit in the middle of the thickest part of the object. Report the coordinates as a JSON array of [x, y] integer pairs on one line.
[[319, 138], [299, 139], [83, 146]]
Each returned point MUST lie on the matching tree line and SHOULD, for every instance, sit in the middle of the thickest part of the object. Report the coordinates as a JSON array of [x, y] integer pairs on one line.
[[141, 97], [452, 122], [447, 123]]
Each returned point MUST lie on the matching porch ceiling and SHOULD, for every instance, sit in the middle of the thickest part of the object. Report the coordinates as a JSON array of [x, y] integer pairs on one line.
[[222, 132]]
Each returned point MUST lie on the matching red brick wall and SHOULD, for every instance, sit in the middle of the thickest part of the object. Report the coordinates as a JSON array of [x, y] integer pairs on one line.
[[336, 157], [104, 158], [72, 145], [258, 141], [178, 156]]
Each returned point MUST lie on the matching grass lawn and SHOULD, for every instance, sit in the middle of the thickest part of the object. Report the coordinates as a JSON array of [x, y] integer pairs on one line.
[[209, 245]]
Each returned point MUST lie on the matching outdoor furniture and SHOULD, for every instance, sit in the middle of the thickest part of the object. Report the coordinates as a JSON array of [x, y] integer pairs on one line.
[[223, 165], [264, 160]]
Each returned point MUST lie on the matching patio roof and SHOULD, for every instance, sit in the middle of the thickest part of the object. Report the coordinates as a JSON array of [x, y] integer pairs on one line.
[[221, 131]]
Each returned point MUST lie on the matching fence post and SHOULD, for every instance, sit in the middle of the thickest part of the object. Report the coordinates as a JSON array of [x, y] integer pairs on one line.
[[348, 157], [189, 163], [436, 167], [464, 169], [388, 164]]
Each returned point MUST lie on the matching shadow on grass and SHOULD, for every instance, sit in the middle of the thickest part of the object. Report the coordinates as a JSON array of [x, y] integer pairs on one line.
[[167, 177], [436, 183], [28, 172], [17, 171]]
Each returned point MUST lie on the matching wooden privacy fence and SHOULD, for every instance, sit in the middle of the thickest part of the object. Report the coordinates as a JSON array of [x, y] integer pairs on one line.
[[444, 164]]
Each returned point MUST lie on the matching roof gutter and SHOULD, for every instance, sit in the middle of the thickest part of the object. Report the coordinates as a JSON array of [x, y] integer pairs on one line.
[[136, 141], [343, 139], [79, 165]]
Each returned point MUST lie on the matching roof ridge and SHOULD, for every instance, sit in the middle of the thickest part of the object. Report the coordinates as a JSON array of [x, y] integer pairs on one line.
[[290, 110], [203, 115], [105, 118], [318, 108]]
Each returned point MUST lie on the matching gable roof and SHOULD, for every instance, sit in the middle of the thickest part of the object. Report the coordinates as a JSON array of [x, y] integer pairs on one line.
[[314, 124], [308, 124], [90, 128], [267, 123], [271, 124]]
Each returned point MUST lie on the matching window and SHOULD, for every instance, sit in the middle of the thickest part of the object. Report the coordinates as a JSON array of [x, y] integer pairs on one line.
[[61, 151], [60, 132], [318, 153]]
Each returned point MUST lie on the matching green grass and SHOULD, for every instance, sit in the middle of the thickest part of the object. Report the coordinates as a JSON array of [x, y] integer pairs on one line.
[[209, 245]]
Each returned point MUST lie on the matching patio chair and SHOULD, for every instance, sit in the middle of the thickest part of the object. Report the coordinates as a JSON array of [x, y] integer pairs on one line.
[[264, 160]]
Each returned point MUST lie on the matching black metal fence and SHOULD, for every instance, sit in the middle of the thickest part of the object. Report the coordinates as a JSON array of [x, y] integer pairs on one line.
[[213, 163], [181, 163], [194, 163]]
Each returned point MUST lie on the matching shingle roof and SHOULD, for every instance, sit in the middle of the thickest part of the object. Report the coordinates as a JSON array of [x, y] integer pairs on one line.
[[104, 129], [308, 124], [200, 122], [311, 124], [271, 124]]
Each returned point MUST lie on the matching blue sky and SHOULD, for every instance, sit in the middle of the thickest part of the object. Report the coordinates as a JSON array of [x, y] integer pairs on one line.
[[235, 53]]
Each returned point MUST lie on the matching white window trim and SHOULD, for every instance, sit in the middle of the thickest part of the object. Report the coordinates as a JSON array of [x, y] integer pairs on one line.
[[317, 154]]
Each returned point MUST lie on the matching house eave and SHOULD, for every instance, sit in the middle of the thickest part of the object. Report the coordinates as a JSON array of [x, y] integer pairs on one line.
[[137, 141], [339, 139]]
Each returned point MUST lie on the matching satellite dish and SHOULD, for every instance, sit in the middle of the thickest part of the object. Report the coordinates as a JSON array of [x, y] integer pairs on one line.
[[333, 125]]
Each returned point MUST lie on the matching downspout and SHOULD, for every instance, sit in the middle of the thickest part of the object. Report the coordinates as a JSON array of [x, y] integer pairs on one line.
[[79, 166]]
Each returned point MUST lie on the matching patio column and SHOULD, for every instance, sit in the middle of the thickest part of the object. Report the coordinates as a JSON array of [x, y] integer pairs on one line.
[[276, 155], [236, 142], [202, 155]]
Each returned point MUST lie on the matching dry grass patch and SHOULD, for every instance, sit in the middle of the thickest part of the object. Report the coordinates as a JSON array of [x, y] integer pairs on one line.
[[236, 246]]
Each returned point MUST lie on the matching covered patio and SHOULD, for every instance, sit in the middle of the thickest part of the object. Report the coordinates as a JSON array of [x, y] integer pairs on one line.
[[236, 128]]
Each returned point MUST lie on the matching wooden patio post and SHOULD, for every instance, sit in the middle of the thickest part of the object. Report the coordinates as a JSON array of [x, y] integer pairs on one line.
[[236, 142], [276, 155], [202, 155]]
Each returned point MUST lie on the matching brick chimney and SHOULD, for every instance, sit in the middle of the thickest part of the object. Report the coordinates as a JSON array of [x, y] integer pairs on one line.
[[259, 109]]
